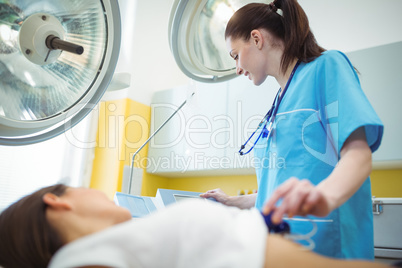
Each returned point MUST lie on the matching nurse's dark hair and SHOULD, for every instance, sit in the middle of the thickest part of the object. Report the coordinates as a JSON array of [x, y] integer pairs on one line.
[[26, 237], [292, 27]]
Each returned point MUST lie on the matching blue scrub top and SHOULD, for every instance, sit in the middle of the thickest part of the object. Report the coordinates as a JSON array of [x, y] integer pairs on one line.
[[323, 105]]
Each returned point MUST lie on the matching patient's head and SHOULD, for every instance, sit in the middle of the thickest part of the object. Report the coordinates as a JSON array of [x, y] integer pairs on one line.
[[35, 227], [27, 238]]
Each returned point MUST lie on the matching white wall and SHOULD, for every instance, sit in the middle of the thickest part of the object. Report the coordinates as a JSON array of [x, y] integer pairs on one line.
[[350, 25], [346, 25], [145, 51]]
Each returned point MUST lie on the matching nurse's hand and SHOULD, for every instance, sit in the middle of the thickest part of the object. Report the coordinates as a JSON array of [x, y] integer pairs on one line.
[[299, 197], [218, 194]]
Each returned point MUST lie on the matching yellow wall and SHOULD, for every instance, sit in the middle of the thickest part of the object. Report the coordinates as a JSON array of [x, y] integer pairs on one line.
[[106, 165], [124, 127], [386, 183], [229, 184]]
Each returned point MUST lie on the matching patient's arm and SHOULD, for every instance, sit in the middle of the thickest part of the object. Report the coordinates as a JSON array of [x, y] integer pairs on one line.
[[284, 253]]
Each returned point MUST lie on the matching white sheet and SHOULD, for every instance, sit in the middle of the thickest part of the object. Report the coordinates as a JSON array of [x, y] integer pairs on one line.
[[191, 233]]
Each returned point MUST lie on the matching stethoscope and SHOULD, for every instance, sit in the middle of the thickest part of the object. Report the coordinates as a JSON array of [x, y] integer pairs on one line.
[[269, 118]]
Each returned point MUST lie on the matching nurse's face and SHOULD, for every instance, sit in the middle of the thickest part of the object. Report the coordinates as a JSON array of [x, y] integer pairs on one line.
[[256, 58]]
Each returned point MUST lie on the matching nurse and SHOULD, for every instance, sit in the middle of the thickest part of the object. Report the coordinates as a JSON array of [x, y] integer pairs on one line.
[[320, 132]]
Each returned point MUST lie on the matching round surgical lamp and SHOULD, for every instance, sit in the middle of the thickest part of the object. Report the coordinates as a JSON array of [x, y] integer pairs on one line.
[[56, 61], [197, 38]]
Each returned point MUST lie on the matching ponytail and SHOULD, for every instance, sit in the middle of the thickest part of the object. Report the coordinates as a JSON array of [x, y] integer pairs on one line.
[[286, 20], [299, 41]]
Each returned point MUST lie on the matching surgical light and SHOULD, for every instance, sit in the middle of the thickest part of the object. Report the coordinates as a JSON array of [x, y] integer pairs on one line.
[[56, 61]]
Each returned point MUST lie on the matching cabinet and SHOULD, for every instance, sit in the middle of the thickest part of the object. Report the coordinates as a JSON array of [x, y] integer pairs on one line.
[[387, 228]]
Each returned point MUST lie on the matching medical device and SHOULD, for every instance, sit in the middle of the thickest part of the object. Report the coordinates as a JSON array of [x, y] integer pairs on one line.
[[56, 61], [284, 228], [269, 118], [140, 206], [281, 228], [305, 237]]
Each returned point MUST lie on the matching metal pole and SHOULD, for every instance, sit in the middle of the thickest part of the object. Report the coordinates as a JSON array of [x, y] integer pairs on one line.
[[54, 42], [146, 142]]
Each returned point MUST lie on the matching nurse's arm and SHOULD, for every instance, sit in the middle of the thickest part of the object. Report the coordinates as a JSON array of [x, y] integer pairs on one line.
[[352, 170], [242, 201]]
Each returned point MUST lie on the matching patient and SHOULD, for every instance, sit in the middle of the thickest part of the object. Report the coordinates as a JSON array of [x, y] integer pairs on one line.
[[59, 226]]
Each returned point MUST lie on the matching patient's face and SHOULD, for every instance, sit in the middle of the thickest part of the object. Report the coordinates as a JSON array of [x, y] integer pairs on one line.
[[94, 203]]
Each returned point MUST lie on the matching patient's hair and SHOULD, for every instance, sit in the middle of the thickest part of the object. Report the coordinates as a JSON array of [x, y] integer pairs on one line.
[[26, 237]]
